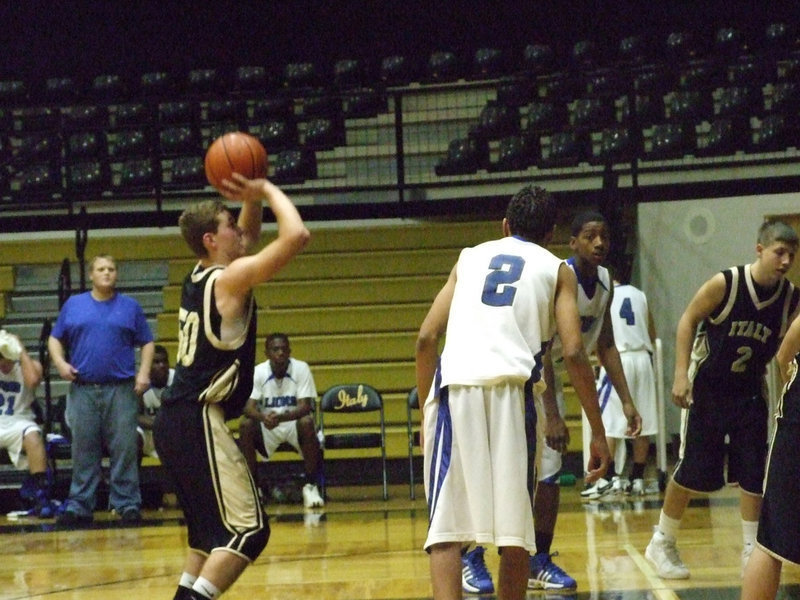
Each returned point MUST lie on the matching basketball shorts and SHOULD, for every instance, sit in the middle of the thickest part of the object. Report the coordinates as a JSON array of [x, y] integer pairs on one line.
[[476, 466], [282, 432], [704, 426], [548, 461], [12, 430], [778, 526], [639, 375], [213, 484]]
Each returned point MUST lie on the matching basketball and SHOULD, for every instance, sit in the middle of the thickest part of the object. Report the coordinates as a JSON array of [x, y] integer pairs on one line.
[[235, 152]]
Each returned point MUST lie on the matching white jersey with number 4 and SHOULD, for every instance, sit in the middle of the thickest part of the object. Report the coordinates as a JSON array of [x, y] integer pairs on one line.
[[629, 316]]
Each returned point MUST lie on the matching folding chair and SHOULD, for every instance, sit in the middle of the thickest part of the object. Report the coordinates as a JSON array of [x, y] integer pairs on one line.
[[412, 404], [353, 398]]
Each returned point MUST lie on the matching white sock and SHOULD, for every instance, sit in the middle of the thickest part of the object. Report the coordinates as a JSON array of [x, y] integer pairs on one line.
[[749, 531], [187, 580], [668, 526], [206, 589]]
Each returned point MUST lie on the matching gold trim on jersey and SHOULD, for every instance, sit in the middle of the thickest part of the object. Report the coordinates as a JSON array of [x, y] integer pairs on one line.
[[211, 335], [222, 384], [700, 352], [237, 497]]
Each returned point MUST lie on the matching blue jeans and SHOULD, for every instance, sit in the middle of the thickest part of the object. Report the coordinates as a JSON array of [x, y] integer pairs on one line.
[[103, 416]]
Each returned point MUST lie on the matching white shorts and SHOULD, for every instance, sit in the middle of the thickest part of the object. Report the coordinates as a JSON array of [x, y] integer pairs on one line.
[[282, 432], [476, 467], [638, 370], [548, 461], [12, 430], [148, 447]]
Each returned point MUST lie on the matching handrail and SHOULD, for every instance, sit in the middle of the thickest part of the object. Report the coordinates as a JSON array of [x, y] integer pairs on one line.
[[64, 283], [44, 358]]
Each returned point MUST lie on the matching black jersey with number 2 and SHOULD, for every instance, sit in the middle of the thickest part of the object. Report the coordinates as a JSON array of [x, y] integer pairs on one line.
[[734, 344]]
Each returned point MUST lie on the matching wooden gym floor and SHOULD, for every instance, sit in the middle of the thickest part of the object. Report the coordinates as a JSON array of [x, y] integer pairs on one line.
[[360, 547]]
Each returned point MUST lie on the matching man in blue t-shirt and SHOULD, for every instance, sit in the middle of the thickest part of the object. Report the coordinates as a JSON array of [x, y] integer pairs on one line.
[[93, 345]]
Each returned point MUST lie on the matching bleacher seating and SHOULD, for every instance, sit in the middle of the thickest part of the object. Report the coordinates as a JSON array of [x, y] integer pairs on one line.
[[350, 132]]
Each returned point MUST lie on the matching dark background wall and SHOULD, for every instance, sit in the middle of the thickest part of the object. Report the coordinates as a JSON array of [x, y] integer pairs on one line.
[[41, 38]]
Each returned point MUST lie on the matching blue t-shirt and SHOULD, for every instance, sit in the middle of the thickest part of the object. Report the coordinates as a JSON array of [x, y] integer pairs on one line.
[[101, 336]]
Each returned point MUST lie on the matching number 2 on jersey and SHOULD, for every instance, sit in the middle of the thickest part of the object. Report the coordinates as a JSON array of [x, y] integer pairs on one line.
[[497, 288]]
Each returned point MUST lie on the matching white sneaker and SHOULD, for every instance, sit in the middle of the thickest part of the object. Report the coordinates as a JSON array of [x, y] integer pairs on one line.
[[637, 487], [663, 555], [620, 485], [311, 497], [600, 488], [747, 550]]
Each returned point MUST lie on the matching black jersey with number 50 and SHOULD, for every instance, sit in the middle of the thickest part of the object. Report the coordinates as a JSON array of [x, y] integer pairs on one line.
[[734, 344], [208, 369]]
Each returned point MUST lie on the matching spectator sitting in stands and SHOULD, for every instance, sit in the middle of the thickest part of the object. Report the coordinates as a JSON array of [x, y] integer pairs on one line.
[[280, 409], [160, 377], [19, 433]]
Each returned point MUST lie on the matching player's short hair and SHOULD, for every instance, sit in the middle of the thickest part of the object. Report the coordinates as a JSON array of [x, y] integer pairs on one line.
[[531, 213], [774, 230], [159, 349], [198, 220], [589, 216]]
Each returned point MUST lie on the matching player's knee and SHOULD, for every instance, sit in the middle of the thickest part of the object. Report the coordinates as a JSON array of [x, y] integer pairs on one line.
[[306, 426]]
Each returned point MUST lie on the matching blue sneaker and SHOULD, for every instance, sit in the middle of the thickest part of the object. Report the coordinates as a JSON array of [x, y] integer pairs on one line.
[[546, 575], [475, 577]]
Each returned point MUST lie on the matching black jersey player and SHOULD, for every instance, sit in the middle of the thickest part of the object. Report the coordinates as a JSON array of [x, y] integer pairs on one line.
[[227, 529], [728, 333]]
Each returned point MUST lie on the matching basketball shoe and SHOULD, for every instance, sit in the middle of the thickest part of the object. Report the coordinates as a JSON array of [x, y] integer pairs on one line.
[[475, 577], [546, 575], [663, 555], [311, 497], [637, 487], [600, 488]]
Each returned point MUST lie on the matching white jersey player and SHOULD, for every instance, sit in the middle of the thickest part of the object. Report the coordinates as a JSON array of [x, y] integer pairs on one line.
[[634, 334], [20, 435], [499, 310]]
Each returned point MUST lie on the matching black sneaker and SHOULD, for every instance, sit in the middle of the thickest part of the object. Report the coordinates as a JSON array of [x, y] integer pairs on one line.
[[184, 593], [130, 514]]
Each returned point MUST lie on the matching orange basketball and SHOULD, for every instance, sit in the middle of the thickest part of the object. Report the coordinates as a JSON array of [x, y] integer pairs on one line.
[[235, 152]]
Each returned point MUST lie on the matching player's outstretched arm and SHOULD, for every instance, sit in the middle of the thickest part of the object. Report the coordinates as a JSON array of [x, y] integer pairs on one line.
[[609, 357], [707, 298], [556, 433], [430, 332], [580, 369], [246, 272]]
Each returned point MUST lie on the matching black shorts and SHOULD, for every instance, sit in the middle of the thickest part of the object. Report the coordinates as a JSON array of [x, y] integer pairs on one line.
[[778, 526], [714, 415], [214, 487]]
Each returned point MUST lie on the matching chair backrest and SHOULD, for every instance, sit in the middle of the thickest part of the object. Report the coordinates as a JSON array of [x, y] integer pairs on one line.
[[351, 397], [412, 404], [413, 398]]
